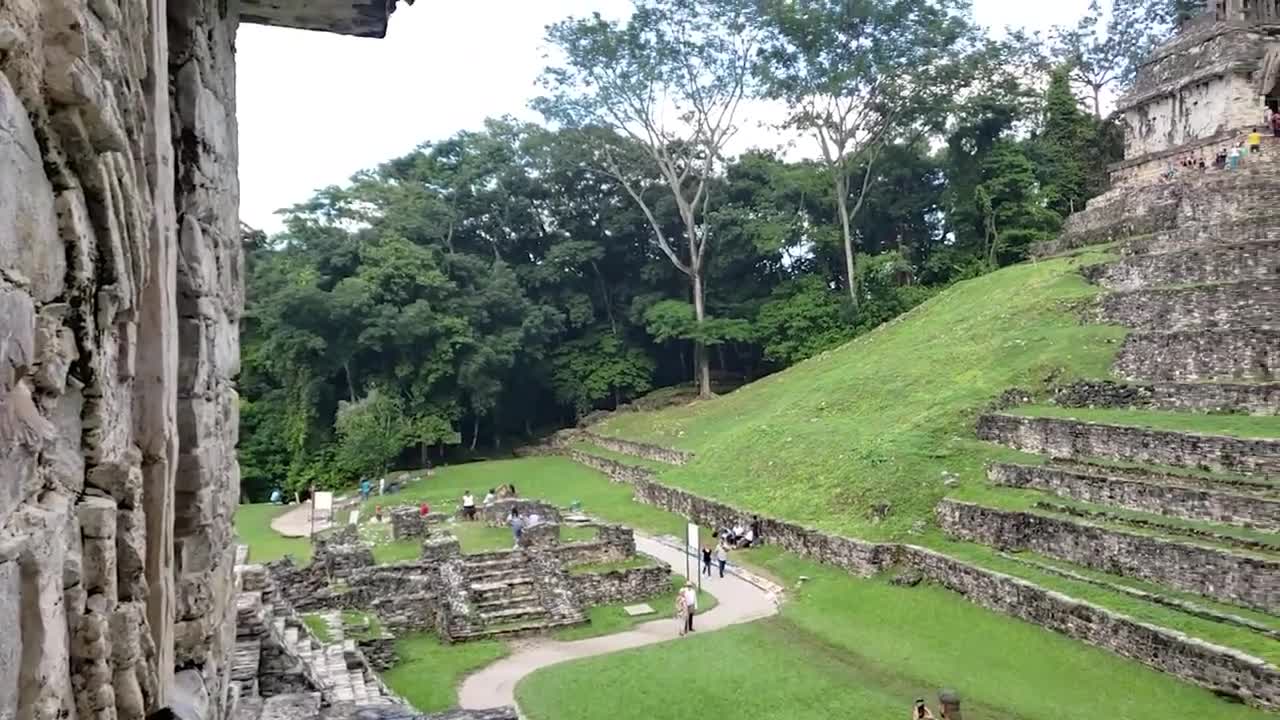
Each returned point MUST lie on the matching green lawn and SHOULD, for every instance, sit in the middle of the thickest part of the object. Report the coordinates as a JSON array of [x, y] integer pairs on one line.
[[253, 528], [429, 671], [878, 420], [850, 648], [610, 619], [1246, 426], [318, 626]]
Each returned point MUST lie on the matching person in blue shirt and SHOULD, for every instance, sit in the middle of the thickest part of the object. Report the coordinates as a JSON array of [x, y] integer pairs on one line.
[[366, 487]]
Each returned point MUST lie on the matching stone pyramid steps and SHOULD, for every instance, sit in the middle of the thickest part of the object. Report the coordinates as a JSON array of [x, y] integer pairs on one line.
[[1196, 235], [1249, 398], [1192, 355], [1067, 439], [1238, 577], [1162, 495], [1261, 486], [1212, 306], [1195, 265]]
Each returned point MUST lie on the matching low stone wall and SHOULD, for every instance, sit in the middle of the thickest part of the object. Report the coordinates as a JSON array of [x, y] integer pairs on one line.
[[612, 543], [1237, 353], [1204, 264], [408, 522], [1172, 500], [543, 536], [618, 586], [496, 514], [1065, 438], [1217, 668], [379, 652], [1244, 580], [1259, 228], [1244, 304], [636, 449], [1252, 398]]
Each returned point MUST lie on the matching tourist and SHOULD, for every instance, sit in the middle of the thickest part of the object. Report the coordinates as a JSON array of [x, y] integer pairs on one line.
[[706, 561], [424, 510], [517, 526], [468, 505], [377, 513], [722, 556], [1268, 115], [1275, 124], [1233, 158], [277, 497], [691, 605], [1255, 142], [756, 527], [511, 489], [738, 533], [682, 611], [1220, 160], [920, 711], [748, 539], [366, 488], [382, 486], [489, 498]]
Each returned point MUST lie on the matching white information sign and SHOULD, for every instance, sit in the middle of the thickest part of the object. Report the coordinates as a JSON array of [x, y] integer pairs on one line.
[[353, 517], [322, 504]]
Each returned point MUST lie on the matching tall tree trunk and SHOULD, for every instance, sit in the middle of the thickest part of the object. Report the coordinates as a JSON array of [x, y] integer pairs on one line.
[[497, 438], [700, 350], [425, 454], [604, 295], [846, 231], [475, 431], [351, 383]]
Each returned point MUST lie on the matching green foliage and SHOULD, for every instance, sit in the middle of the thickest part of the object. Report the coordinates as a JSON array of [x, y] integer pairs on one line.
[[598, 367], [801, 319], [370, 433]]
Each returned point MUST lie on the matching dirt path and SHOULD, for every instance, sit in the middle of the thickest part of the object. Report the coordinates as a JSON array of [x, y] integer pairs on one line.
[[740, 601]]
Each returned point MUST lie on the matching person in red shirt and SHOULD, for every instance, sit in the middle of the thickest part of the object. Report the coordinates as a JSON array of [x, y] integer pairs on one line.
[[424, 509]]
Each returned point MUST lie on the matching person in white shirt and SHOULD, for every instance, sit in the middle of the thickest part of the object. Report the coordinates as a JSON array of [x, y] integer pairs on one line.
[[469, 505], [722, 556], [489, 498], [691, 605], [382, 486]]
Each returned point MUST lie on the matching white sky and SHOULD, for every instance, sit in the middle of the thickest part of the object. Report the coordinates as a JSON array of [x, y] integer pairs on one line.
[[314, 108]]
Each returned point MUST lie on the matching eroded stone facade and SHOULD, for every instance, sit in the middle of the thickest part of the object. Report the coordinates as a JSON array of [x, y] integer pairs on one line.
[[120, 298]]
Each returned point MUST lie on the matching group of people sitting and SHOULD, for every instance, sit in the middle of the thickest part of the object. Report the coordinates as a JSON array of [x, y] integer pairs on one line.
[[1227, 158], [740, 536]]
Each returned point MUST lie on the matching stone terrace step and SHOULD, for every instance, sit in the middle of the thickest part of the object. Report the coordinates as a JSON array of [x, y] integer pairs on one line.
[[1253, 398], [515, 629], [1194, 235], [513, 613], [1222, 482], [1254, 304], [1235, 353], [1236, 578], [1173, 497], [1067, 439], [1203, 264]]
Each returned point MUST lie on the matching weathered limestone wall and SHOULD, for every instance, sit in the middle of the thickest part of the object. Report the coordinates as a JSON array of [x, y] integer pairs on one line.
[[1245, 304], [1236, 353], [1252, 398], [1065, 438], [1204, 264], [655, 453], [618, 586], [1158, 498], [1234, 578], [107, 559]]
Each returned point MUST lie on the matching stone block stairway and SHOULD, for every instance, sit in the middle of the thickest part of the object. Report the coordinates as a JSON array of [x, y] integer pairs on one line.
[[1159, 485], [505, 594]]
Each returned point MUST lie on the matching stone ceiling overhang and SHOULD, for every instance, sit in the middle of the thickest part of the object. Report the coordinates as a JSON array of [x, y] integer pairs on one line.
[[362, 18]]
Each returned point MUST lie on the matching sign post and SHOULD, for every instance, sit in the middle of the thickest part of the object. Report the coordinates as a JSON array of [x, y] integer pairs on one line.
[[321, 502], [691, 549]]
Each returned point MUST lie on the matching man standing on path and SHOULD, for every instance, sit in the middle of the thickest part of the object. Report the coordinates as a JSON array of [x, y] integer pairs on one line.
[[517, 525], [722, 556], [706, 561], [468, 505], [691, 605]]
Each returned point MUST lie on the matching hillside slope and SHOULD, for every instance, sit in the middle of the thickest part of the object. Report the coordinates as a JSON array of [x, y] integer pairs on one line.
[[870, 428]]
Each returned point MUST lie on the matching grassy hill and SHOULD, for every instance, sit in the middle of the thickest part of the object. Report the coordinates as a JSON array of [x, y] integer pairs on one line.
[[880, 419]]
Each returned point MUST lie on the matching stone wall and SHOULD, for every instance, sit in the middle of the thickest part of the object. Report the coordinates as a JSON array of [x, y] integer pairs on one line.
[[1230, 577], [646, 451], [1158, 498], [1234, 353], [1243, 304], [1065, 439], [1221, 669], [1206, 263], [1252, 398], [619, 586], [497, 513]]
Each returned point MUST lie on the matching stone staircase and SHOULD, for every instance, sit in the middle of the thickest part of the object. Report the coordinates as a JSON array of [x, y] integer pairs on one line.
[[336, 667], [505, 594], [1118, 494]]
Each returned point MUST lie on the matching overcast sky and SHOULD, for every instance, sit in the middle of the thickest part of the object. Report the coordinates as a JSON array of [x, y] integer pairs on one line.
[[314, 108]]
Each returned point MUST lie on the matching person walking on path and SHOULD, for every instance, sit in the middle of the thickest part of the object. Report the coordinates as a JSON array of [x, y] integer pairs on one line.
[[1255, 142], [366, 488], [691, 605], [706, 561], [722, 556], [469, 505]]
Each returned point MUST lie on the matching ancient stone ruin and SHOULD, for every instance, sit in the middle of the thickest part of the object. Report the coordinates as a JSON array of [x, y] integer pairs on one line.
[[120, 298]]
